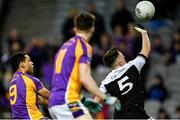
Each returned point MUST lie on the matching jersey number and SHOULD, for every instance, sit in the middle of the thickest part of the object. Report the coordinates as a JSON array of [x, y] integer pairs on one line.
[[123, 85], [13, 94], [59, 60]]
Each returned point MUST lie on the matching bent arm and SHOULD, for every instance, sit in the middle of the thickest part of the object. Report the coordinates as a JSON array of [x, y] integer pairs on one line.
[[146, 45], [44, 93], [42, 101]]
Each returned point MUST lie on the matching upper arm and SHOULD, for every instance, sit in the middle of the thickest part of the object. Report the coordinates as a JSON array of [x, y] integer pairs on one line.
[[84, 71], [86, 56], [40, 89], [44, 93], [139, 61], [146, 45], [145, 53], [84, 63], [42, 101], [38, 83]]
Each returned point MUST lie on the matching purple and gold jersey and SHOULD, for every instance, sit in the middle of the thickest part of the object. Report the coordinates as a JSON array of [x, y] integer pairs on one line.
[[66, 83], [23, 96]]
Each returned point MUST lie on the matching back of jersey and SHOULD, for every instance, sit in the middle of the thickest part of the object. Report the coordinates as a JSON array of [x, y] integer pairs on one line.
[[124, 83], [17, 90], [66, 80], [23, 97]]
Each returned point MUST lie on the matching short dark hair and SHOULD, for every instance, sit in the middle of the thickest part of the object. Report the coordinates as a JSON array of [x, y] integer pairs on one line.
[[110, 57], [16, 59], [84, 21]]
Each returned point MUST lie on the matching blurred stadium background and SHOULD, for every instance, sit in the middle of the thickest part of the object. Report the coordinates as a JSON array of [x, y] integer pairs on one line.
[[40, 26]]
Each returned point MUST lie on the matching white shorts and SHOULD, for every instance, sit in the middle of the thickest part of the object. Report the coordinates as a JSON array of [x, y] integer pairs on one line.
[[68, 111]]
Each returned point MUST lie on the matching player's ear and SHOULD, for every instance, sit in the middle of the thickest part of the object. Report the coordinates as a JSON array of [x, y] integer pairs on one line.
[[120, 61], [74, 29], [22, 65], [92, 29]]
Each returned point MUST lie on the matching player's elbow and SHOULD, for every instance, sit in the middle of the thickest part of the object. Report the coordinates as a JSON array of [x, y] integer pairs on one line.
[[44, 93], [145, 52], [47, 94], [149, 48], [84, 80], [42, 101]]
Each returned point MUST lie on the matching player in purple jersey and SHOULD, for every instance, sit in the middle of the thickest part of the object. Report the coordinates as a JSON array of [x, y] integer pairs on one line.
[[26, 91], [71, 71]]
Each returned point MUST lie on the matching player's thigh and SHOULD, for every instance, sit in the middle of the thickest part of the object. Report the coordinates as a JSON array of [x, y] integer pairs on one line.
[[66, 111], [85, 117], [60, 112], [51, 113]]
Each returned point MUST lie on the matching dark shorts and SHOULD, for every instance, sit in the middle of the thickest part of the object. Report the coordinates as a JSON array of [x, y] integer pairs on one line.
[[131, 114]]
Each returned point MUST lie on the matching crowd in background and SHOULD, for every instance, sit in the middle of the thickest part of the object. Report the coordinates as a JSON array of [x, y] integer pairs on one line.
[[122, 36]]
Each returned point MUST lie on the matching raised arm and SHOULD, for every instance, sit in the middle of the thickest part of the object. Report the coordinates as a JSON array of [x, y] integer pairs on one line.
[[146, 45]]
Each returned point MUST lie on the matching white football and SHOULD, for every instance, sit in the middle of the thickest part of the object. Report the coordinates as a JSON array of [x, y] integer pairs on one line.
[[144, 10]]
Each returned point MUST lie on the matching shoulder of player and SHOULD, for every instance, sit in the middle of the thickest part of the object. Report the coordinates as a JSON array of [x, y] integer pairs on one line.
[[130, 63], [86, 44], [115, 74], [140, 57], [69, 43], [139, 61], [15, 77], [134, 61], [85, 47], [32, 77], [74, 42]]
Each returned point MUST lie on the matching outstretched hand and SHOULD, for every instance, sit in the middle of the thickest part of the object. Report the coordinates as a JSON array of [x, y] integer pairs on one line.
[[93, 106], [139, 28], [114, 102]]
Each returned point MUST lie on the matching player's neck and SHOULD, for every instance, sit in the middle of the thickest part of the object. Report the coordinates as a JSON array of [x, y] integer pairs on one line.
[[118, 65], [84, 35], [21, 70], [115, 67]]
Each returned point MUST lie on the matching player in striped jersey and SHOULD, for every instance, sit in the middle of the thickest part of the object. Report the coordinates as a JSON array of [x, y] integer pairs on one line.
[[72, 70], [124, 80], [26, 91]]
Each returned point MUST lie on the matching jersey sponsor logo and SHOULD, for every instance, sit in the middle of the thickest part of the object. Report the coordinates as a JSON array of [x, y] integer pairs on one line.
[[117, 74]]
